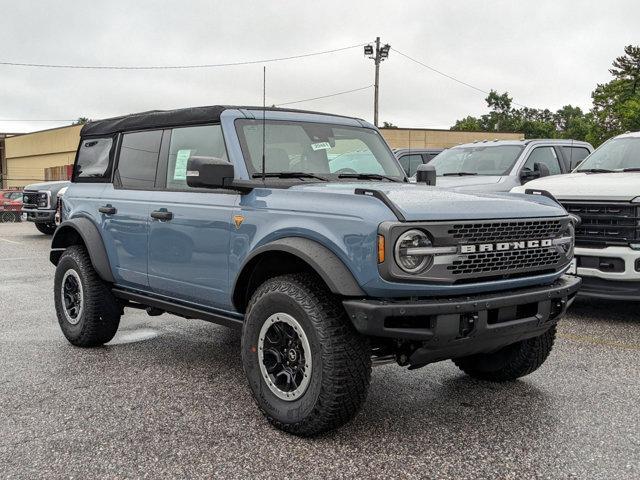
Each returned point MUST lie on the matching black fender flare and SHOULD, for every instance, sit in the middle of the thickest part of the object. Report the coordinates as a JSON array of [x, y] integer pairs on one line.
[[323, 261], [67, 234]]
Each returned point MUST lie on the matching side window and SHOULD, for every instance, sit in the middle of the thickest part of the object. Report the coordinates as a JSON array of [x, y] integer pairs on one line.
[[203, 141], [575, 155], [404, 163], [410, 163], [546, 156], [138, 159], [94, 160]]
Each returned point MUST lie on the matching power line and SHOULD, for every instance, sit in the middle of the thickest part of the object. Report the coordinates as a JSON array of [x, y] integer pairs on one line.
[[451, 77], [325, 96], [277, 105], [176, 67]]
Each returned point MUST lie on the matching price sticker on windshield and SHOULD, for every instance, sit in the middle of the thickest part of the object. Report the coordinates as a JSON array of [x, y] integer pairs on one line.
[[320, 146]]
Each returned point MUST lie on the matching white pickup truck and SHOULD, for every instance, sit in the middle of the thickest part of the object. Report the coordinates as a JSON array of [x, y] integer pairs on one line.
[[604, 191]]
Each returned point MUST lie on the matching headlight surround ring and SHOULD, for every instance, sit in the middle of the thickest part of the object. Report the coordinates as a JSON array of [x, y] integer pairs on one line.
[[412, 264]]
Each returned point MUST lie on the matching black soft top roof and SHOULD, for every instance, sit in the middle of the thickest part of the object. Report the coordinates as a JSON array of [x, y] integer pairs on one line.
[[167, 118]]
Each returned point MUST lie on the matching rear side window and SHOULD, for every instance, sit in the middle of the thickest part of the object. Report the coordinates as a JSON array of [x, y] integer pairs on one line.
[[575, 155], [201, 141], [94, 160], [138, 159]]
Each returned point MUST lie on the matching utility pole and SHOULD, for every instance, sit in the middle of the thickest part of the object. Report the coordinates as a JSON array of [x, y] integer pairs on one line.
[[378, 56]]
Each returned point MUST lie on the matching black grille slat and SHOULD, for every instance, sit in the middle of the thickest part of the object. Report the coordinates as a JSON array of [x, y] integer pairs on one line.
[[490, 262], [605, 223], [505, 231]]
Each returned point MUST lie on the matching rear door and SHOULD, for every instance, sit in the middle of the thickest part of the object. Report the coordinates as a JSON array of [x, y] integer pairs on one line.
[[189, 247], [125, 207]]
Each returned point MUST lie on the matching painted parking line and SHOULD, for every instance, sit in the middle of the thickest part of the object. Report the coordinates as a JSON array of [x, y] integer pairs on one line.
[[17, 258], [599, 341], [9, 241]]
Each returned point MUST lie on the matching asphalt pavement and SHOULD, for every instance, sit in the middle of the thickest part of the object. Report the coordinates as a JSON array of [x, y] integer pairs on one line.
[[167, 398]]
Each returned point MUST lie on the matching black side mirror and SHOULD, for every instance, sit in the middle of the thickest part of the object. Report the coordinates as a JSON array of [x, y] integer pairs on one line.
[[209, 172], [426, 174], [542, 169]]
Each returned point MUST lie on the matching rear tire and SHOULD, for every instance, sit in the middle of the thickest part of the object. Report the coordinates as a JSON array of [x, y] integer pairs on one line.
[[511, 362], [87, 311], [336, 358], [46, 228]]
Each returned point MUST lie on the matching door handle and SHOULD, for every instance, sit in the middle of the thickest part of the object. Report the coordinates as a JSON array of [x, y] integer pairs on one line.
[[107, 210], [161, 214]]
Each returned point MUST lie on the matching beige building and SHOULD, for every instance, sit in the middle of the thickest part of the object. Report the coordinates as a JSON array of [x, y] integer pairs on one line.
[[434, 138], [28, 156]]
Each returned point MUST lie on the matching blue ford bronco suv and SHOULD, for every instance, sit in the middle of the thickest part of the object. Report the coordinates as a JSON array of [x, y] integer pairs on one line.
[[248, 217]]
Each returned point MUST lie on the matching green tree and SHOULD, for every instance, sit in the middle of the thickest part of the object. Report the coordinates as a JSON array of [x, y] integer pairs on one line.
[[81, 121], [627, 68], [388, 125]]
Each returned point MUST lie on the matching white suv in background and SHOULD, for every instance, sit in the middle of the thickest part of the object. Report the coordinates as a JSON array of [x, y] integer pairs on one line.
[[604, 191]]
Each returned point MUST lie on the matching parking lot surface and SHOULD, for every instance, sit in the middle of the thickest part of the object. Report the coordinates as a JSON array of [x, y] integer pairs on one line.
[[168, 398]]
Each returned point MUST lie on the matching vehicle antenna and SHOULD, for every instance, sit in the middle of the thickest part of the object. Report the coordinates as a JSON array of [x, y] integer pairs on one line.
[[264, 107]]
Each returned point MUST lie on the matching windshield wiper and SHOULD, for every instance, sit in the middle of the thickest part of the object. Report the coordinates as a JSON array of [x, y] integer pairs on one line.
[[458, 174], [368, 176], [290, 175], [596, 170], [631, 169]]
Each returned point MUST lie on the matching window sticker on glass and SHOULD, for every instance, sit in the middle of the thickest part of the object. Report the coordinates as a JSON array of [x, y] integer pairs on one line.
[[320, 146], [180, 171]]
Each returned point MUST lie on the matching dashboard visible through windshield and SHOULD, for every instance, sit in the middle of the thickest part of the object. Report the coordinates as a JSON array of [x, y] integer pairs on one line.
[[477, 160]]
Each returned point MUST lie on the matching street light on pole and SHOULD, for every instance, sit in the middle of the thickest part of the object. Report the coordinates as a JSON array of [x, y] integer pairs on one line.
[[378, 55]]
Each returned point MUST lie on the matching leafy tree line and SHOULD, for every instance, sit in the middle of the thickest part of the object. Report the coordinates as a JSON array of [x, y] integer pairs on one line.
[[615, 110]]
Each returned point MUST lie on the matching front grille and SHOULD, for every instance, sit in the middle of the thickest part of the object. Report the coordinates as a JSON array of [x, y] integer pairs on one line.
[[605, 223], [505, 231], [497, 262]]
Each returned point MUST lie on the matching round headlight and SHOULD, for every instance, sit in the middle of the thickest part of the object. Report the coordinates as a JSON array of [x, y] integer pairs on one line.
[[407, 258]]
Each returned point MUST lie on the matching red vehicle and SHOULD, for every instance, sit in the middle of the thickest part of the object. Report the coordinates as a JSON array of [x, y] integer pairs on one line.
[[10, 205]]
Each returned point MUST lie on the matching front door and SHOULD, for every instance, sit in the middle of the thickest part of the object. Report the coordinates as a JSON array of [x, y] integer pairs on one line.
[[189, 229]]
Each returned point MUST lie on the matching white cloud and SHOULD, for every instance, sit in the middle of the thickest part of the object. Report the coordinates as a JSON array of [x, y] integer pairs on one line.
[[546, 54]]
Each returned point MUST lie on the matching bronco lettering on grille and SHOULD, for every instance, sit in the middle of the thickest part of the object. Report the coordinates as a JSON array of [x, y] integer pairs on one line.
[[504, 246]]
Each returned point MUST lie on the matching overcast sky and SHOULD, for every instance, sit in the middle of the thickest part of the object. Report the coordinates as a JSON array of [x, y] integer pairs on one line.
[[544, 53]]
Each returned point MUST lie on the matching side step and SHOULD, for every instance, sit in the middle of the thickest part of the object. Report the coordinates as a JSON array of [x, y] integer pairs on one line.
[[178, 308]]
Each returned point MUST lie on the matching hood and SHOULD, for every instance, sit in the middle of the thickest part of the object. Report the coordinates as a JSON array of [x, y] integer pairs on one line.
[[623, 186], [467, 181], [422, 202], [48, 185]]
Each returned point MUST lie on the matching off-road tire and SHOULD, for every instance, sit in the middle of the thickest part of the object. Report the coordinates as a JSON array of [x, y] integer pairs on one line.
[[46, 228], [101, 311], [341, 370], [511, 362]]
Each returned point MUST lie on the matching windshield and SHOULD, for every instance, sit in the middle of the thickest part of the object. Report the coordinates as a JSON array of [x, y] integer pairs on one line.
[[477, 160], [617, 154], [316, 148]]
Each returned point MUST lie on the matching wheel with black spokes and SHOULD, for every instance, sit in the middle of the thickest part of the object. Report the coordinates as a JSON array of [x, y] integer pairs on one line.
[[308, 368]]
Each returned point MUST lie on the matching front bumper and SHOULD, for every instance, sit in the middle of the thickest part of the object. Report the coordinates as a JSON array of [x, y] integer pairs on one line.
[[39, 216], [610, 273], [460, 326]]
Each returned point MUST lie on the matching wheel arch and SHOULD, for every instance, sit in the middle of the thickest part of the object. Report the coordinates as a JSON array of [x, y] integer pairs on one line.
[[288, 255], [82, 231]]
